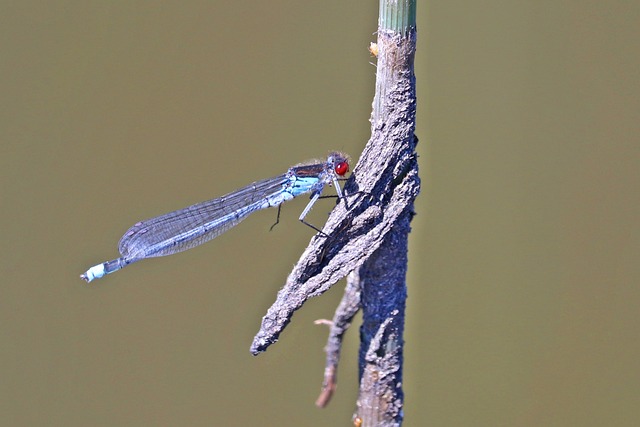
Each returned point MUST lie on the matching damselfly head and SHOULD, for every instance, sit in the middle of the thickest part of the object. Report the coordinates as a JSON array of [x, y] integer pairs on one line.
[[340, 163]]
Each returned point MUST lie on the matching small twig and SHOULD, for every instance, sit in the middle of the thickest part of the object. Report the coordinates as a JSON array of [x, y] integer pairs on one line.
[[323, 322], [347, 309]]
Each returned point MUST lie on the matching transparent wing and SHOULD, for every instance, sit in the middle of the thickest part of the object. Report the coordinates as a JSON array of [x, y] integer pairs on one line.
[[194, 225]]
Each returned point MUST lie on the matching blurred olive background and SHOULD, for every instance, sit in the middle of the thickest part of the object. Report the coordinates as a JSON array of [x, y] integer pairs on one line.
[[523, 284]]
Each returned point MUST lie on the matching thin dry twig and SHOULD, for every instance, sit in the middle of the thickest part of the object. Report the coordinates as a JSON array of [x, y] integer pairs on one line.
[[347, 309]]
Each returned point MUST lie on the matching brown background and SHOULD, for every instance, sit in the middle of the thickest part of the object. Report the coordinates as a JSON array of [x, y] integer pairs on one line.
[[523, 284]]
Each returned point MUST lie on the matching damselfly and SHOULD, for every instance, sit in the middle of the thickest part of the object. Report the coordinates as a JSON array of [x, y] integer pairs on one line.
[[189, 227]]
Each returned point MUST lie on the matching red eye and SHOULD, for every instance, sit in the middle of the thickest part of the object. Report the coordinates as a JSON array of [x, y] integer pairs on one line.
[[342, 168]]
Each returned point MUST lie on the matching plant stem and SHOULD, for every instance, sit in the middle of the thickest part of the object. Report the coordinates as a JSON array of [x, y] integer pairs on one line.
[[383, 275]]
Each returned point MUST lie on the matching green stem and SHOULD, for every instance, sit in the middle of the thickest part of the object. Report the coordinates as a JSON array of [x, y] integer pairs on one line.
[[398, 16]]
